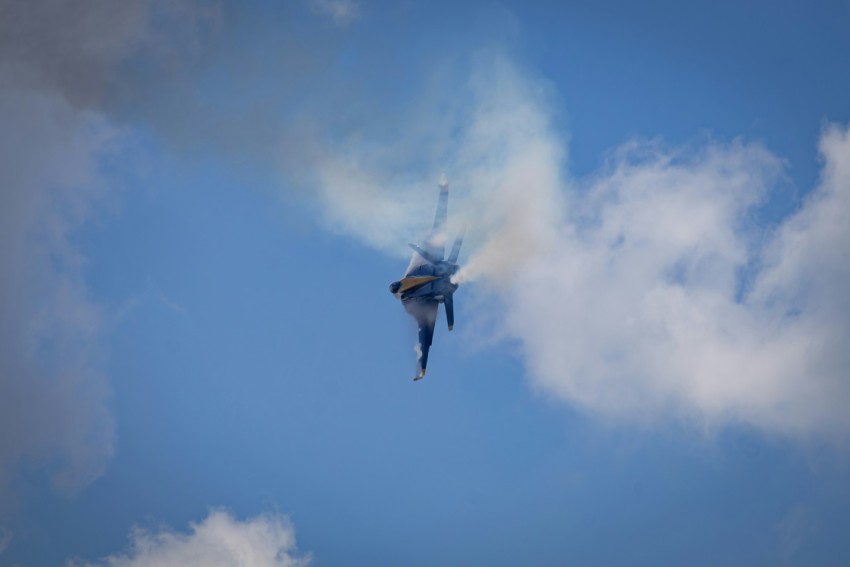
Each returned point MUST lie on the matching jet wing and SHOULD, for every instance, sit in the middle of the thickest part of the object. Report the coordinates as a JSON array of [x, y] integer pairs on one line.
[[425, 313]]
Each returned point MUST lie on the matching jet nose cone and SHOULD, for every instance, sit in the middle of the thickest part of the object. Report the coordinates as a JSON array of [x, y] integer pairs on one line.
[[394, 287]]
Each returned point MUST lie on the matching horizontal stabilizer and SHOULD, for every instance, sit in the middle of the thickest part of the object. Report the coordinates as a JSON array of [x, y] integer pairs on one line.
[[425, 254], [450, 310]]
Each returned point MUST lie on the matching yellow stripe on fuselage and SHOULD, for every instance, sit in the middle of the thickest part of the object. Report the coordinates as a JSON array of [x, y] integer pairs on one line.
[[415, 281]]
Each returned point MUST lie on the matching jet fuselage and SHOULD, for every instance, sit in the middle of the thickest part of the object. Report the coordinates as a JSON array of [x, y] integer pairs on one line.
[[427, 281]]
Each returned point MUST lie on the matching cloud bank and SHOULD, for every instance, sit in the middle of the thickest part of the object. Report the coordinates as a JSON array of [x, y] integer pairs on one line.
[[56, 60], [644, 291], [219, 540], [52, 391]]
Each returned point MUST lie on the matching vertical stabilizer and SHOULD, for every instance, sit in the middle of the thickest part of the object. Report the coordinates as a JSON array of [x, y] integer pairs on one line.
[[442, 205], [456, 249]]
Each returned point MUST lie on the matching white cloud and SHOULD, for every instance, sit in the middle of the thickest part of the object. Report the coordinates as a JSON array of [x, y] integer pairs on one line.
[[218, 541], [644, 291], [637, 311]]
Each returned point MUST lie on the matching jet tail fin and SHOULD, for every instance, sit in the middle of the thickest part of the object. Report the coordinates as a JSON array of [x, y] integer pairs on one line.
[[456, 249], [434, 246], [442, 205]]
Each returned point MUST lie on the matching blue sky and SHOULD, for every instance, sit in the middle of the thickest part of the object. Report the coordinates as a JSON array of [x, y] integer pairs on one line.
[[203, 204]]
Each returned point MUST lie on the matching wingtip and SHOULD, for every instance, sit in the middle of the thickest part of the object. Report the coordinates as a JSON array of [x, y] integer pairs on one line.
[[419, 376], [451, 327]]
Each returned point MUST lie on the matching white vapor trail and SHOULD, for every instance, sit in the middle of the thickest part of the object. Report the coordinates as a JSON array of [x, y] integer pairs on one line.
[[643, 291]]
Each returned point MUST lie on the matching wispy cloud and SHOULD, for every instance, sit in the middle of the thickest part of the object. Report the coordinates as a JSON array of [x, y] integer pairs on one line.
[[341, 12], [219, 540], [797, 526], [5, 538]]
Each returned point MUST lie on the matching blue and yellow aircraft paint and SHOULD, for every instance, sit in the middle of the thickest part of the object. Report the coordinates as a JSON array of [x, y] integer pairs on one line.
[[428, 282]]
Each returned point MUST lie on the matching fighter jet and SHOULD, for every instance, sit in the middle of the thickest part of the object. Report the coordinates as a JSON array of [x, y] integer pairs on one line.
[[428, 281]]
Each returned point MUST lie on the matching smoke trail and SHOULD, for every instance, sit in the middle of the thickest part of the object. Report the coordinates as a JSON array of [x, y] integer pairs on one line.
[[625, 290]]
